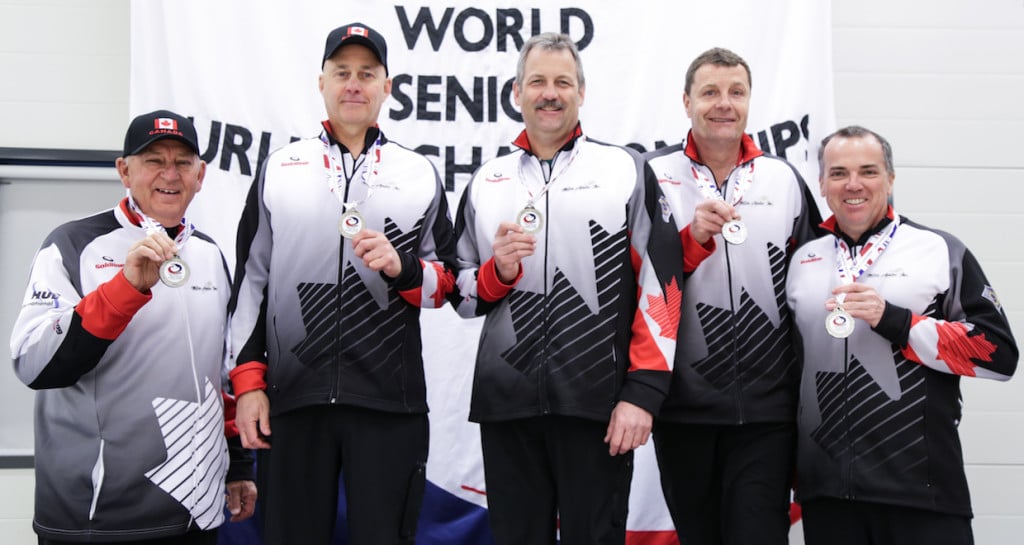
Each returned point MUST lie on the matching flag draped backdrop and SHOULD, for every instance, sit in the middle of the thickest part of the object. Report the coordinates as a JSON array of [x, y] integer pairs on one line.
[[246, 71]]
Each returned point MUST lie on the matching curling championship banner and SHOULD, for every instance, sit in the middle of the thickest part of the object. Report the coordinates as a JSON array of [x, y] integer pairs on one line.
[[246, 72]]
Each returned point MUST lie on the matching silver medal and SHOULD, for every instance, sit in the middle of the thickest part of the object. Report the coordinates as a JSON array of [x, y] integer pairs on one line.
[[734, 232], [839, 323], [530, 219], [351, 223], [174, 272]]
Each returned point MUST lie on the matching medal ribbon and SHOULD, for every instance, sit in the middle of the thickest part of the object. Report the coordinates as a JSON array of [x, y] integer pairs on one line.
[[564, 166], [709, 189], [336, 180], [852, 267], [152, 226]]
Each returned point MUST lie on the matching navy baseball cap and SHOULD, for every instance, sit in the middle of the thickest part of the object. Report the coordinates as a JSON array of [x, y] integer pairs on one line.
[[356, 33], [148, 128]]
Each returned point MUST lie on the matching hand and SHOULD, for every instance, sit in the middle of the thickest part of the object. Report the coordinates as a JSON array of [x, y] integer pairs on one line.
[[861, 301], [377, 252], [511, 245], [630, 426], [142, 264], [241, 499], [709, 217], [252, 416]]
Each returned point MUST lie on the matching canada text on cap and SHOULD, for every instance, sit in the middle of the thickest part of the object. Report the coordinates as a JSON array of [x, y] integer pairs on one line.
[[357, 33], [148, 128]]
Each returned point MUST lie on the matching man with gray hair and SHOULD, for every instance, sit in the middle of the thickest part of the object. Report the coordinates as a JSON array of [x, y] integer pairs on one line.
[[890, 314], [568, 249], [121, 333]]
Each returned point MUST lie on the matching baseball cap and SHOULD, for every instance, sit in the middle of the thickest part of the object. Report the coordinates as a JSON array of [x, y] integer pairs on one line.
[[357, 33], [148, 128]]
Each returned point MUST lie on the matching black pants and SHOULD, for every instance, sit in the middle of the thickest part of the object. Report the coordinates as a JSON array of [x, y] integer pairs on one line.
[[727, 484], [844, 522], [554, 473], [195, 537], [381, 456]]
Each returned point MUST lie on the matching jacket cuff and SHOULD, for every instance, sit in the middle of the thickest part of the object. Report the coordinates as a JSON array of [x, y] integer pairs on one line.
[[411, 276], [646, 389], [489, 287], [240, 467], [106, 312], [248, 377], [895, 324], [694, 253]]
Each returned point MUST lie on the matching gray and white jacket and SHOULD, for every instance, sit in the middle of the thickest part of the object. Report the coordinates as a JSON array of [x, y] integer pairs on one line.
[[129, 415]]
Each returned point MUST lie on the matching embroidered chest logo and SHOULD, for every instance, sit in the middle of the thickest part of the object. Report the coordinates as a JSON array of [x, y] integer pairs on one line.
[[810, 258], [109, 262]]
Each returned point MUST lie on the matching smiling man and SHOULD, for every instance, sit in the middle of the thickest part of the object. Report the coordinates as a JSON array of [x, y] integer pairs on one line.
[[724, 439], [567, 248], [890, 315], [122, 332], [344, 238]]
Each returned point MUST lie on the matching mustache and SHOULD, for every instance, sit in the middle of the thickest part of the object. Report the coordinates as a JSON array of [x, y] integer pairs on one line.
[[549, 103]]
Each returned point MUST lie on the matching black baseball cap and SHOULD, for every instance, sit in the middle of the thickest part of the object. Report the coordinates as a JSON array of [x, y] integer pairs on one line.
[[357, 33], [148, 128]]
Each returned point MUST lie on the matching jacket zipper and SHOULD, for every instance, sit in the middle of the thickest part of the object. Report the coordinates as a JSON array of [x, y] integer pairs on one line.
[[336, 386], [733, 319], [848, 458], [542, 372]]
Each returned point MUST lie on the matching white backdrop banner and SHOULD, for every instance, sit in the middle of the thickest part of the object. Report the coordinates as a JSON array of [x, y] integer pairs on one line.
[[246, 71]]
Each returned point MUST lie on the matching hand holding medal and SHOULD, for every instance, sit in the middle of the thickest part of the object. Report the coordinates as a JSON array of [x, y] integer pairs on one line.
[[852, 299], [511, 245], [734, 231], [715, 216], [153, 259], [173, 271], [839, 323], [853, 302]]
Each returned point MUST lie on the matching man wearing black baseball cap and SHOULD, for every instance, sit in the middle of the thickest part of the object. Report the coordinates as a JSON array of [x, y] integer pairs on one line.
[[325, 328], [122, 333], [357, 33], [148, 128]]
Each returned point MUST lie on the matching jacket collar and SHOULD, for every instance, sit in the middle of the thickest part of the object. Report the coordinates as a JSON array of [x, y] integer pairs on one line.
[[523, 141]]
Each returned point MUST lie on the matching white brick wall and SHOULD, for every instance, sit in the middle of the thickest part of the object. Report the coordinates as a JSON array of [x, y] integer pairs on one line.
[[941, 79]]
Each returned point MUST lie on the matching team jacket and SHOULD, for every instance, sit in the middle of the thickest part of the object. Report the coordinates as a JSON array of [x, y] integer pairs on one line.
[[129, 417], [736, 363], [569, 337], [307, 314], [879, 410]]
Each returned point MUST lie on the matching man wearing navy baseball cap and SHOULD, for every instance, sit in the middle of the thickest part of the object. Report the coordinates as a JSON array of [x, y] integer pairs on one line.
[[125, 349], [330, 281]]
